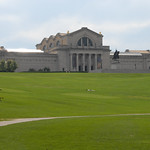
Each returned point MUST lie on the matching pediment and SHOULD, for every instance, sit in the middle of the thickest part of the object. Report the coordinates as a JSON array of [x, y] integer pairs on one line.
[[85, 31]]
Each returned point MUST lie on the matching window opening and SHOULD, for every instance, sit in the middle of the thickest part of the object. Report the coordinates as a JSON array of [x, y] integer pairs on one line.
[[85, 41]]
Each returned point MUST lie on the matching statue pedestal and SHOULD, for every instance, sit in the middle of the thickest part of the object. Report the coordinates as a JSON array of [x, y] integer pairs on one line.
[[115, 61]]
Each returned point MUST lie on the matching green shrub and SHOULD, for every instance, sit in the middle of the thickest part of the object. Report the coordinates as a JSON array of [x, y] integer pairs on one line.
[[8, 66]]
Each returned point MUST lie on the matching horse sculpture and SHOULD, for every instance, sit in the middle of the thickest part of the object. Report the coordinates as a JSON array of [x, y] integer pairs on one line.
[[116, 55]]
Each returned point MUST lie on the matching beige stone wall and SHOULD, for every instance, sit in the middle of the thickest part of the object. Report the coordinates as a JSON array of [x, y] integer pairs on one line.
[[96, 39], [68, 45], [51, 42], [106, 60], [57, 56], [65, 40], [71, 39], [64, 57], [26, 61], [42, 44], [128, 62], [63, 60]]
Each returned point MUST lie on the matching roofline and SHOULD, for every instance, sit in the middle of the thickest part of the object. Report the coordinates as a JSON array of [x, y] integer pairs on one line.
[[85, 28]]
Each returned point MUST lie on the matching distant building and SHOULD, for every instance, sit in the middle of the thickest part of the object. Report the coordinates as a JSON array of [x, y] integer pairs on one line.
[[79, 51], [131, 60]]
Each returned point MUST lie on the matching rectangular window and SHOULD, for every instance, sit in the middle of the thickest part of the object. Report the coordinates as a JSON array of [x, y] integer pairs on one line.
[[84, 40], [79, 42], [99, 62]]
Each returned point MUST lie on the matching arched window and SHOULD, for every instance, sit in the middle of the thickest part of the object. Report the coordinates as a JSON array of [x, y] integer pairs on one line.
[[51, 45], [44, 47], [90, 43], [85, 41], [58, 43], [79, 43]]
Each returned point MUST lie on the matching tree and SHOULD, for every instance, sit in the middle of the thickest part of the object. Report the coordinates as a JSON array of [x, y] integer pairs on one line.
[[8, 66], [2, 66], [13, 66]]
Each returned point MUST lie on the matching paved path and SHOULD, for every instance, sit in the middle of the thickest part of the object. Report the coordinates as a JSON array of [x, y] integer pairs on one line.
[[15, 121]]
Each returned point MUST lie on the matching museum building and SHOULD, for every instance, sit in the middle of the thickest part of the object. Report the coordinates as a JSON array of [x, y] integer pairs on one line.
[[79, 51]]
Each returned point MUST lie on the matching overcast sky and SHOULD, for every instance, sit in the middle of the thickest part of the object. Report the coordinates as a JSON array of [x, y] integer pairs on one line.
[[125, 24]]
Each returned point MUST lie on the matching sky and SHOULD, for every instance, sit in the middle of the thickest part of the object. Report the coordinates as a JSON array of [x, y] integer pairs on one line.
[[125, 24]]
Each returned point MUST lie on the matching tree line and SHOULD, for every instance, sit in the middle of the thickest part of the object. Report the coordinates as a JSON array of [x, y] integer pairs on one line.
[[8, 66]]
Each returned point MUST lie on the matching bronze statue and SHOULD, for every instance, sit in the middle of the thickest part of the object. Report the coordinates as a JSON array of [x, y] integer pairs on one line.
[[116, 55]]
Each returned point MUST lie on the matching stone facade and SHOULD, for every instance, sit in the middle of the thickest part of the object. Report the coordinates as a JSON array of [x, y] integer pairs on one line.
[[36, 61], [131, 60], [79, 51]]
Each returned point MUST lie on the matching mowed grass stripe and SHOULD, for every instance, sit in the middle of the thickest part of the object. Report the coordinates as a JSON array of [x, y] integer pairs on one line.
[[37, 95], [123, 133], [31, 95]]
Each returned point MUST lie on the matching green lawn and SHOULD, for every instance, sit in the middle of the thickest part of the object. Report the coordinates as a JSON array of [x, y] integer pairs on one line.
[[65, 94], [105, 133]]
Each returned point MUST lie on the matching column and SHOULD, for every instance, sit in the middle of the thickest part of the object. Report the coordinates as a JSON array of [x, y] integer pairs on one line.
[[77, 64], [89, 62], [71, 62], [83, 62], [95, 61]]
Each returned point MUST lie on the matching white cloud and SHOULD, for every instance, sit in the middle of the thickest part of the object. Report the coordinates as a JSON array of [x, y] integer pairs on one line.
[[3, 2], [140, 2], [61, 24], [10, 18], [8, 2], [123, 27], [65, 23]]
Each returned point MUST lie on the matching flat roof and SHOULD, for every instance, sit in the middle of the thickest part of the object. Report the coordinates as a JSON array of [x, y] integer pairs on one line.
[[127, 54], [24, 50], [139, 51]]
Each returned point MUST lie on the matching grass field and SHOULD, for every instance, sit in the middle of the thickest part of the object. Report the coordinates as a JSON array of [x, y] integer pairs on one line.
[[28, 95]]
